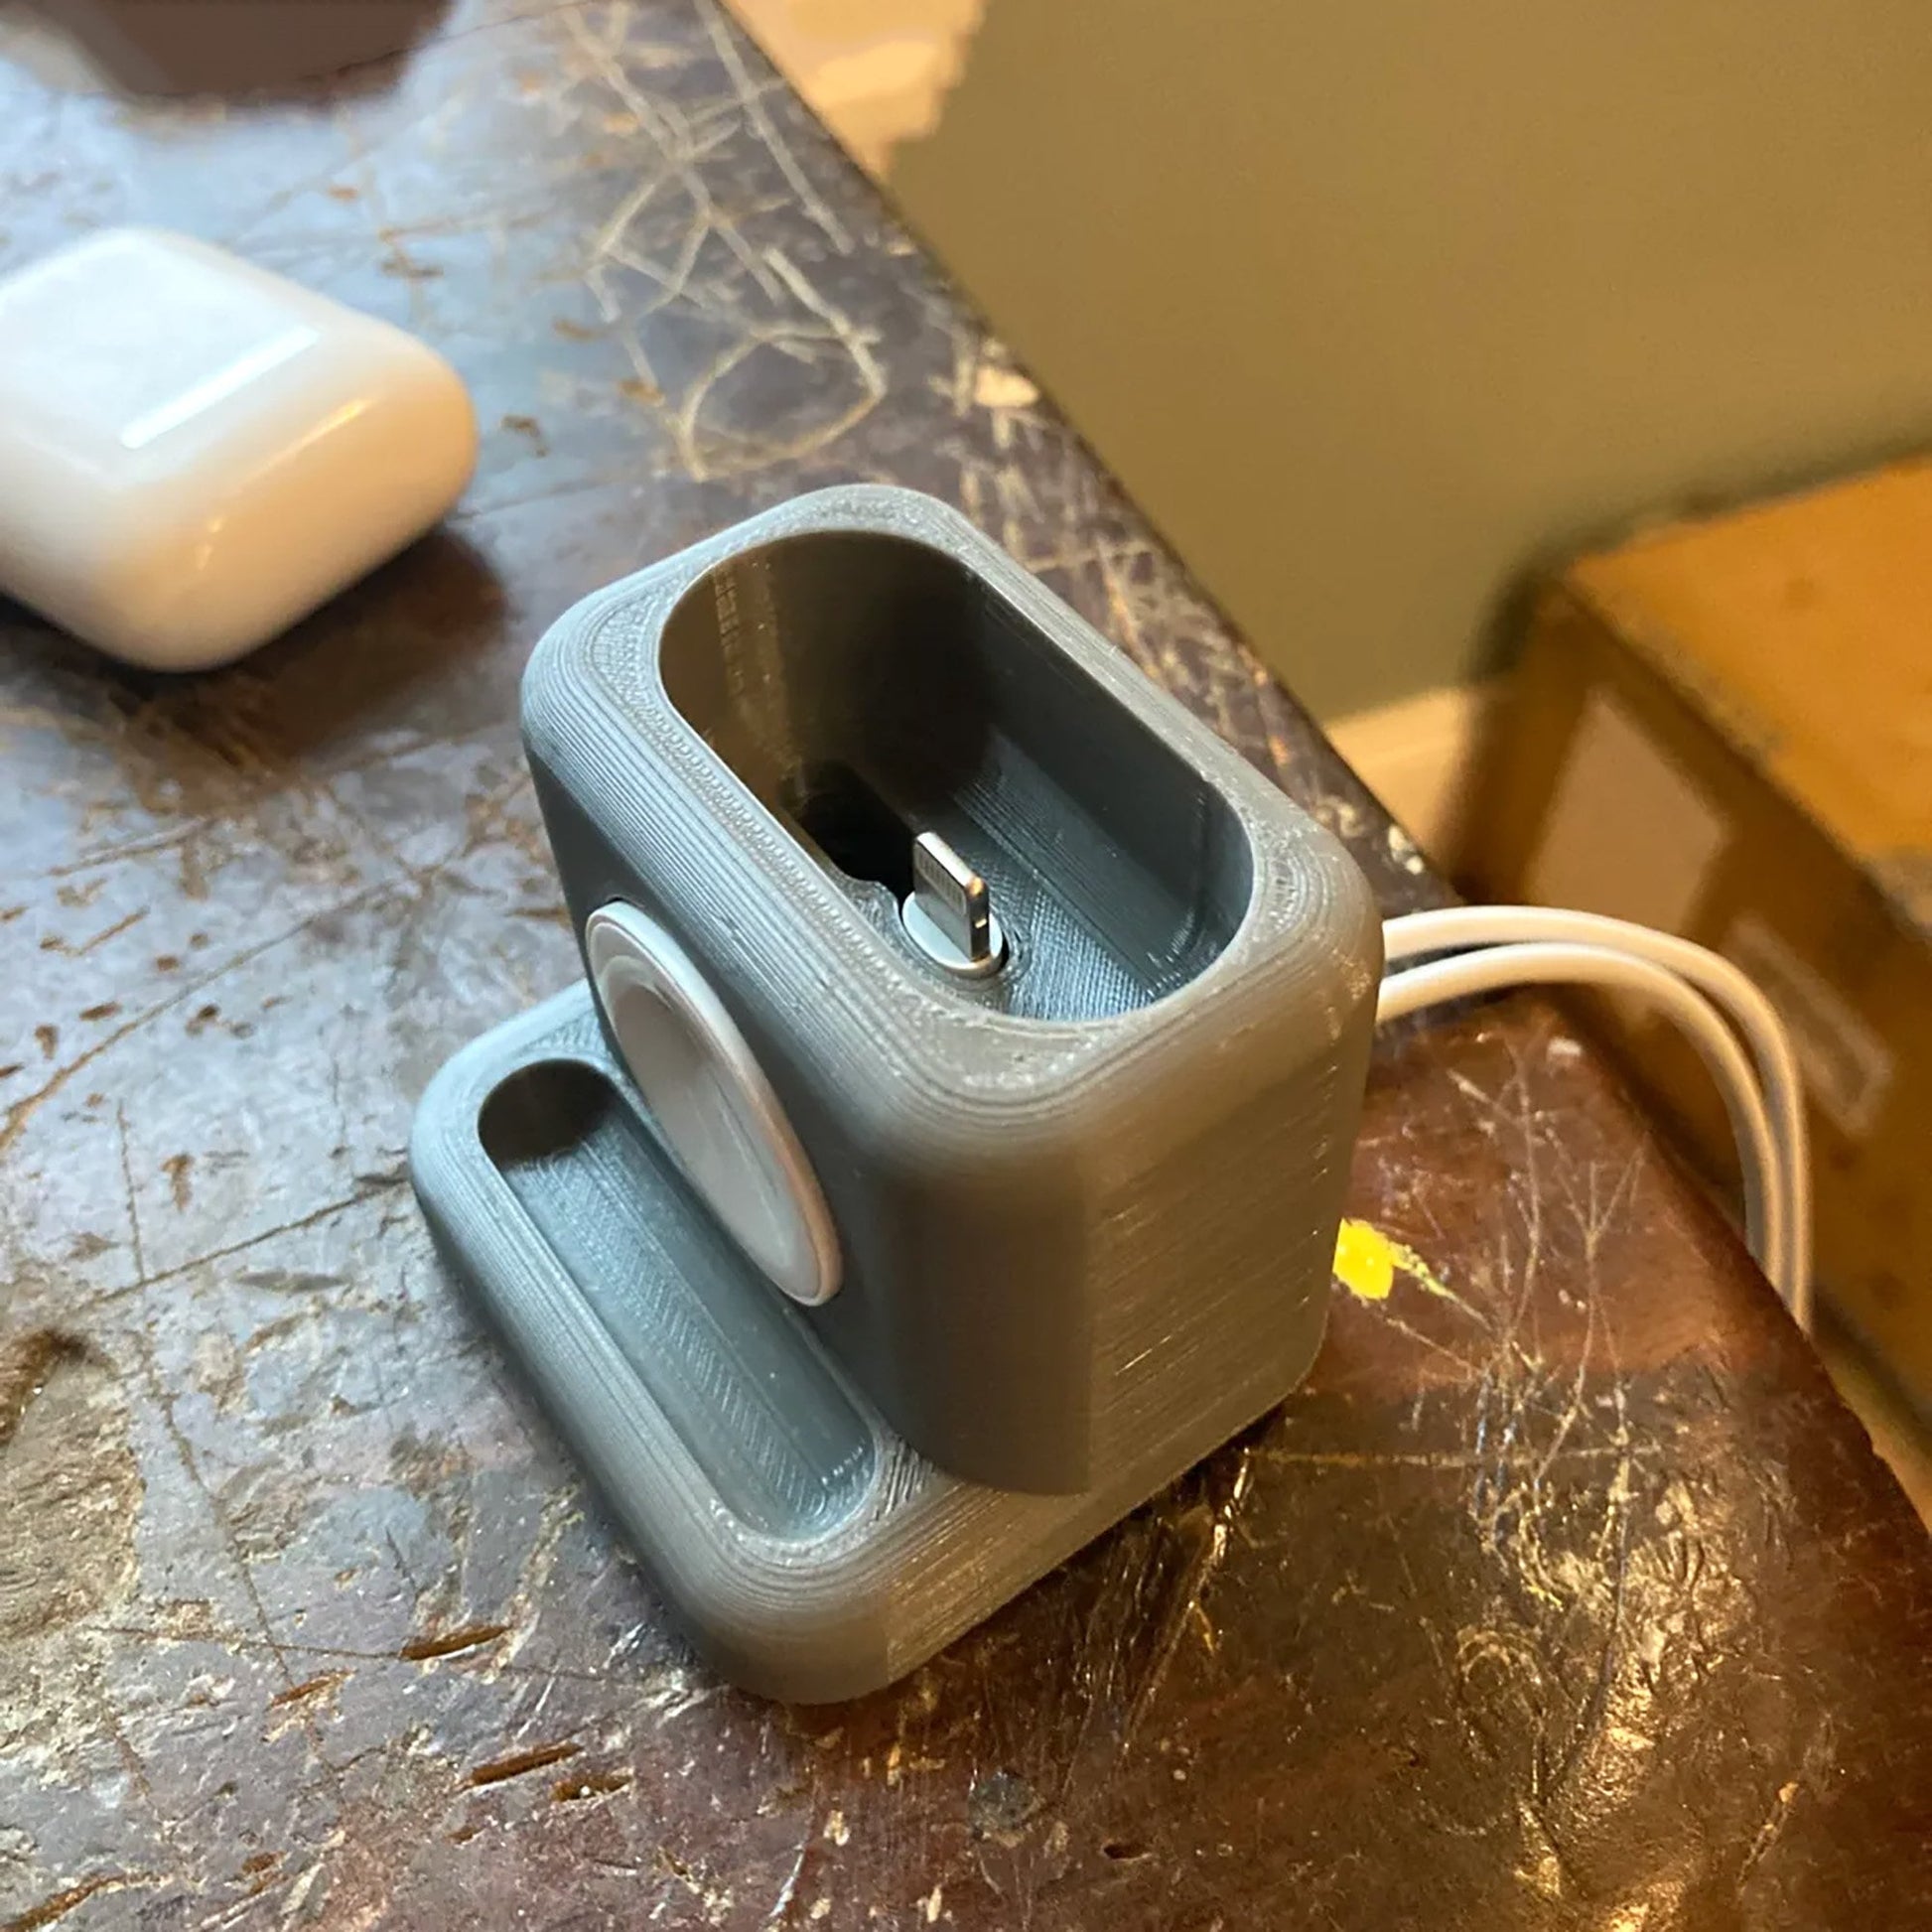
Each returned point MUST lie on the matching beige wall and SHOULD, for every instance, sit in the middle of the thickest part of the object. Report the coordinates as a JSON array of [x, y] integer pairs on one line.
[[875, 72], [1372, 306]]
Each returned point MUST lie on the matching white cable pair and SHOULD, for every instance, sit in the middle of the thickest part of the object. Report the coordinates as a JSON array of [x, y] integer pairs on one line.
[[1500, 946]]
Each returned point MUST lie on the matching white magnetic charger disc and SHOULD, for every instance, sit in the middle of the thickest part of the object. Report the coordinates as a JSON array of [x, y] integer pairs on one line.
[[711, 1101]]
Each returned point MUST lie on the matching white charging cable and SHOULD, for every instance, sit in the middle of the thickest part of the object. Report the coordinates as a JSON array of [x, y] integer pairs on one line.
[[1498, 946]]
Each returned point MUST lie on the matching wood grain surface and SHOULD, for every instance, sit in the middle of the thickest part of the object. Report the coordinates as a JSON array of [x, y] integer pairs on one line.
[[1565, 1594]]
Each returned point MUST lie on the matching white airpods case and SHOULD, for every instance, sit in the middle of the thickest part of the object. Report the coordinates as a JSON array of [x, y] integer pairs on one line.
[[195, 452]]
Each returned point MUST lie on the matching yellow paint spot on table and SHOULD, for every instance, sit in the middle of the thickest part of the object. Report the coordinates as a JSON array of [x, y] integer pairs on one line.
[[1367, 1263]]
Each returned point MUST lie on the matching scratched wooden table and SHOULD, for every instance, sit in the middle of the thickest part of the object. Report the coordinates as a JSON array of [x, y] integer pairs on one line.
[[1567, 1597]]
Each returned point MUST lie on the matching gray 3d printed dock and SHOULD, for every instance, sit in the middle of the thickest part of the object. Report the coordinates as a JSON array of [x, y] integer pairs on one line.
[[947, 1146]]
